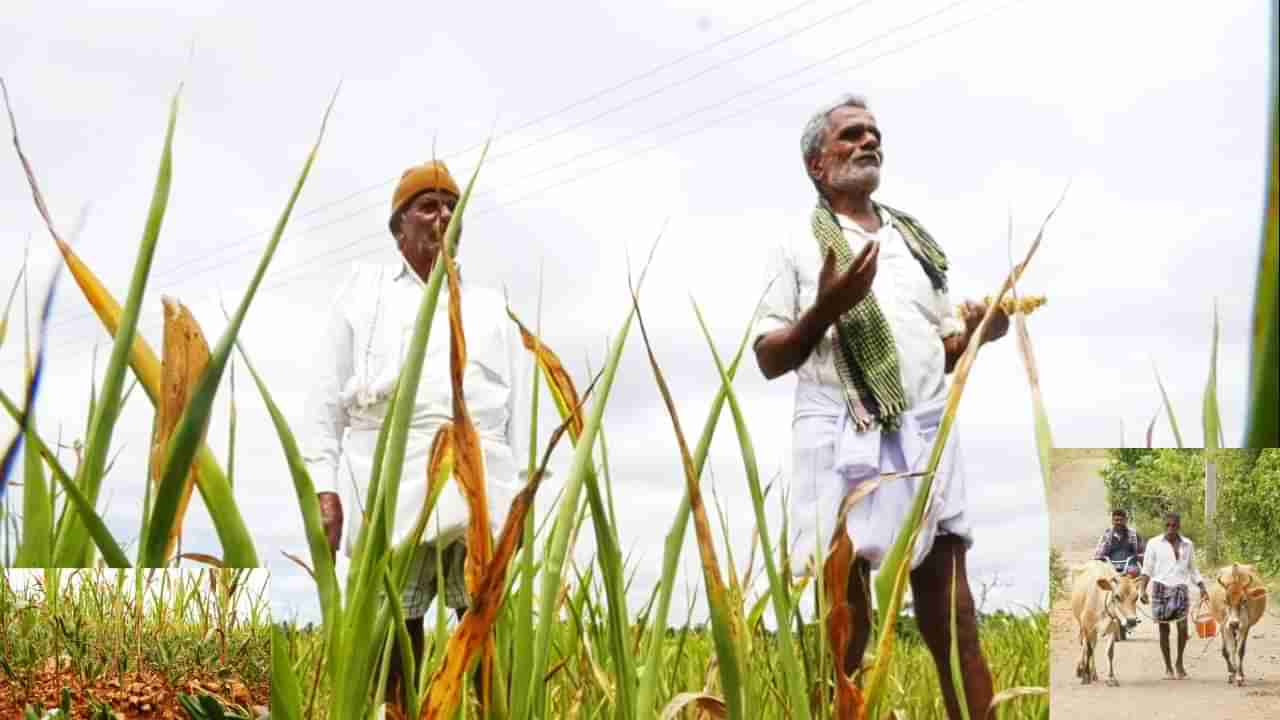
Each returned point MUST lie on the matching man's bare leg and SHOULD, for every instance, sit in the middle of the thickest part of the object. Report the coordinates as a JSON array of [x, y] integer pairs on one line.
[[858, 594], [1182, 644], [1164, 650], [931, 591], [395, 696]]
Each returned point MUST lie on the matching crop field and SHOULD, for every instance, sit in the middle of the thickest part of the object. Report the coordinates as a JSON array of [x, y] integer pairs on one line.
[[580, 685], [109, 644], [544, 637]]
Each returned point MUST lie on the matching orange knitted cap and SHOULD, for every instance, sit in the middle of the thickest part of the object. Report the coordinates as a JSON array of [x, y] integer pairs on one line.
[[433, 175]]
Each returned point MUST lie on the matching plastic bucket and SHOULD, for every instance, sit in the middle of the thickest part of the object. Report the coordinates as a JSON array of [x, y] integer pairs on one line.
[[1206, 626]]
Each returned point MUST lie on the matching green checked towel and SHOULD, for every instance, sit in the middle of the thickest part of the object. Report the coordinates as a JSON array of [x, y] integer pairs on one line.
[[867, 361]]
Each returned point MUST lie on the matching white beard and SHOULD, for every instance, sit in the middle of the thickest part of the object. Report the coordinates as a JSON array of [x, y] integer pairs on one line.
[[853, 177]]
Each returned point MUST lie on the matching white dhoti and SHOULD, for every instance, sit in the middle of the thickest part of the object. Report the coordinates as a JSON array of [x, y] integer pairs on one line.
[[830, 459], [451, 515]]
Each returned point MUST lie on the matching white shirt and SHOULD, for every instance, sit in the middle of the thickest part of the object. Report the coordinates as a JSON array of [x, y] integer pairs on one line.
[[829, 456], [355, 369], [917, 314], [1160, 565]]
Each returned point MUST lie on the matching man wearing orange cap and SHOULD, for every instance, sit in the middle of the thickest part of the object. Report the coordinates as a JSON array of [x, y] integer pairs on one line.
[[370, 327]]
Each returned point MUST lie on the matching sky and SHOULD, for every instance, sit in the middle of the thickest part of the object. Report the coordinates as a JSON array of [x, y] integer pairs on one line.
[[612, 126]]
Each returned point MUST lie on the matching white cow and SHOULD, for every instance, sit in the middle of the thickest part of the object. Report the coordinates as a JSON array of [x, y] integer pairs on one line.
[[1237, 601], [1101, 601]]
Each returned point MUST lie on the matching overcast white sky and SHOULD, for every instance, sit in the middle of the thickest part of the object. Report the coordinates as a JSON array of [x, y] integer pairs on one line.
[[611, 121]]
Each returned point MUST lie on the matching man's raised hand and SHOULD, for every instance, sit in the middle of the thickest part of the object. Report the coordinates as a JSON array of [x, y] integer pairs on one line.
[[996, 327], [839, 292]]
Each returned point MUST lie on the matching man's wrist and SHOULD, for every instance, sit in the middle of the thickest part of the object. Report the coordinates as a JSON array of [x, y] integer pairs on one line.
[[823, 314]]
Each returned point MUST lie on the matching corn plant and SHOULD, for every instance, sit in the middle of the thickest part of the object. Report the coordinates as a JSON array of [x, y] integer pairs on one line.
[[551, 638]]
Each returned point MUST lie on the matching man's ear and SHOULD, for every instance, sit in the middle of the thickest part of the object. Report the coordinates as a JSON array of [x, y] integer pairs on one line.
[[814, 166]]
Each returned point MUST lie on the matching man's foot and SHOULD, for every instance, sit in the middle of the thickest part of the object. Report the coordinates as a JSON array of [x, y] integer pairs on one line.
[[1168, 674], [1182, 674]]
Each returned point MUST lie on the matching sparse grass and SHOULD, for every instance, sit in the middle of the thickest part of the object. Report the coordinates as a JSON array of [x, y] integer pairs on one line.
[[132, 642], [1057, 575]]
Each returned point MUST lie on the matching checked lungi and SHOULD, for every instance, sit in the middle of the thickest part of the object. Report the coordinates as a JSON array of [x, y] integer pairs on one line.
[[421, 586], [1168, 602]]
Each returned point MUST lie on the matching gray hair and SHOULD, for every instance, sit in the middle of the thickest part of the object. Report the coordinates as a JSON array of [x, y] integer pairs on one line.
[[811, 138], [1171, 515]]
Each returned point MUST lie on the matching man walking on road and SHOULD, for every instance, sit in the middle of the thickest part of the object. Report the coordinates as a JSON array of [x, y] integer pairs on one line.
[[1170, 566]]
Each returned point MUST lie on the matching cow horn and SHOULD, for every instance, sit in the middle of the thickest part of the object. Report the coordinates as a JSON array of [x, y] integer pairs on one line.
[[1224, 585]]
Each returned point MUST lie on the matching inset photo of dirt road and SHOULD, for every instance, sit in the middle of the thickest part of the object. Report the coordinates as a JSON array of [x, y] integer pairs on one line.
[[189, 644], [1163, 604]]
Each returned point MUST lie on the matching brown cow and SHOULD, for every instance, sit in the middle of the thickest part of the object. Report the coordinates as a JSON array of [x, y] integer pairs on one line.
[[1237, 602], [1101, 601]]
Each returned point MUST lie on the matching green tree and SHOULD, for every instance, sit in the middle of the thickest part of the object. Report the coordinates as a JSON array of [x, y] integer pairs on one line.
[[1250, 508], [1149, 483]]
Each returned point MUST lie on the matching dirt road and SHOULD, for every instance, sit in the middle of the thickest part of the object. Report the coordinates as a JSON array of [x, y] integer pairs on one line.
[[1078, 513]]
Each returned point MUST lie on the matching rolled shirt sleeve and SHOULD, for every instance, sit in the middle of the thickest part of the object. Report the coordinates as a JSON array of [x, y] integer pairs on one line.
[[780, 307], [325, 419]]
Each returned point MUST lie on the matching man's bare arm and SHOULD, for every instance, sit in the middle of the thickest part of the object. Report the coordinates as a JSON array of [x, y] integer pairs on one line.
[[786, 349], [783, 350]]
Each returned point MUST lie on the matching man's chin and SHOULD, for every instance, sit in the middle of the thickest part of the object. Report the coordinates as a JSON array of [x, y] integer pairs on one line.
[[863, 180]]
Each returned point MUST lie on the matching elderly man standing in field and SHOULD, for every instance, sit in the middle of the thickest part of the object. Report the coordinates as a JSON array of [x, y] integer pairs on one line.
[[359, 363], [859, 310], [1170, 566]]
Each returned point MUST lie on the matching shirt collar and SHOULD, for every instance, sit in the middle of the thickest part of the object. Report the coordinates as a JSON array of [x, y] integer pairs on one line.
[[407, 271], [847, 223]]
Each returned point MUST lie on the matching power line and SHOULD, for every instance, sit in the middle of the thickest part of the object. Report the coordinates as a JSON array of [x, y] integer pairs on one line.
[[361, 210], [282, 282], [827, 18], [523, 126]]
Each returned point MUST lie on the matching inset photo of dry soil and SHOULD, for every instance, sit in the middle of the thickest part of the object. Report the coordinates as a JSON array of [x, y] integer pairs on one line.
[[188, 644]]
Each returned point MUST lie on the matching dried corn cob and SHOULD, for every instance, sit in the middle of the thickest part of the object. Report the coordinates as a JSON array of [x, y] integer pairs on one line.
[[1026, 304]]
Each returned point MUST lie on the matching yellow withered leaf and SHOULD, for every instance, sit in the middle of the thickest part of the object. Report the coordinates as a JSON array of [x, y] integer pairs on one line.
[[849, 702], [468, 465], [475, 629], [708, 705], [1010, 694], [440, 458], [468, 455], [562, 388], [185, 357], [143, 359]]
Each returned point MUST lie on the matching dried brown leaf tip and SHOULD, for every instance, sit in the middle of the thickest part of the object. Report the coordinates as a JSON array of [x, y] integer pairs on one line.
[[185, 356], [562, 388]]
